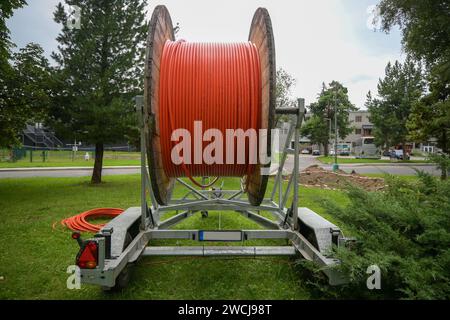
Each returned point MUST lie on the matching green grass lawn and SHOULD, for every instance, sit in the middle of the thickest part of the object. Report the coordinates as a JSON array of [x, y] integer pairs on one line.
[[66, 159], [401, 177], [330, 160], [34, 257]]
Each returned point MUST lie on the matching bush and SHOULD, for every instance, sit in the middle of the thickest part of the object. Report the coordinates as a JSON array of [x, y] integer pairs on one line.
[[442, 162], [405, 230]]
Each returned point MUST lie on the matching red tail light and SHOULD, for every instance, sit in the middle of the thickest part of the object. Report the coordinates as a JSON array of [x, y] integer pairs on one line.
[[87, 258]]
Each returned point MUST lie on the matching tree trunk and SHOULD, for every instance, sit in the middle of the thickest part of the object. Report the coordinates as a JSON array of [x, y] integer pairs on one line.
[[325, 149], [97, 173]]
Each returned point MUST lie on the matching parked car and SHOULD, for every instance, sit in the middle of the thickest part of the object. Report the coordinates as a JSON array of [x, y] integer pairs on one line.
[[399, 155], [316, 152], [387, 153], [344, 153], [305, 151]]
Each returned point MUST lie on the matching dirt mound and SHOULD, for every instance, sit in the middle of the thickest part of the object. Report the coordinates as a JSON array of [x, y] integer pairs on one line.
[[319, 177]]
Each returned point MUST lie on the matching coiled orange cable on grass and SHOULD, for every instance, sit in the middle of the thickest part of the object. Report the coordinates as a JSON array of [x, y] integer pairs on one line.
[[80, 221], [217, 83]]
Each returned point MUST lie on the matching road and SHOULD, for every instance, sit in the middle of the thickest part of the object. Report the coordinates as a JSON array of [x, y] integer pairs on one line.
[[305, 161], [365, 168], [68, 172]]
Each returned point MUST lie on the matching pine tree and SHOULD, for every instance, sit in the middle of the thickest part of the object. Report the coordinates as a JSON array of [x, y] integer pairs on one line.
[[100, 69], [430, 118], [401, 87]]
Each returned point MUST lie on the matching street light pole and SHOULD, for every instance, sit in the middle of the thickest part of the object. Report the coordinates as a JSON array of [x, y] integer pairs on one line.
[[329, 133]]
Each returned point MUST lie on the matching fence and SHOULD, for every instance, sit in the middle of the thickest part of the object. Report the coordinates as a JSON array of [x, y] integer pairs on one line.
[[64, 155]]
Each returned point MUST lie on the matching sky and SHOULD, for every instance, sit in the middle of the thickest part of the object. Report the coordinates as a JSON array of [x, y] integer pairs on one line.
[[316, 41]]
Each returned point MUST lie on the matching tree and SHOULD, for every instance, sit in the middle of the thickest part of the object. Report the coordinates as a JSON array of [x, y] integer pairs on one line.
[[382, 131], [100, 70], [316, 130], [284, 85], [8, 113], [401, 87], [27, 96], [426, 33], [385, 122], [430, 117], [7, 8], [425, 28], [318, 127]]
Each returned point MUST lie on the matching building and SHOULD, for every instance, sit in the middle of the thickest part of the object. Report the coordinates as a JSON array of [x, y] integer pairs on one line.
[[362, 127], [429, 146], [359, 121]]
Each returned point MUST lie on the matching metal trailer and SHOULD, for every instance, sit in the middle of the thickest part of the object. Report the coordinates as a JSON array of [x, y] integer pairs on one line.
[[125, 238]]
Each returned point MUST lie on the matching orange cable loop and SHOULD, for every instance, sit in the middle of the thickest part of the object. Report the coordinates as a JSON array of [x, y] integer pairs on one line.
[[216, 83], [79, 222]]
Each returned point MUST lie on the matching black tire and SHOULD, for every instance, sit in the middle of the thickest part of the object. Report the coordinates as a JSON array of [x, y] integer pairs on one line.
[[122, 281], [124, 276]]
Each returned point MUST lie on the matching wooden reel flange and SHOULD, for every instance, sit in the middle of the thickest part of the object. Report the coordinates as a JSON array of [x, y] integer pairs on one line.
[[161, 30]]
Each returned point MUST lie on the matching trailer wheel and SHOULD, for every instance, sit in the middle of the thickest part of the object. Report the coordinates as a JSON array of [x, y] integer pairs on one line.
[[123, 278], [122, 281]]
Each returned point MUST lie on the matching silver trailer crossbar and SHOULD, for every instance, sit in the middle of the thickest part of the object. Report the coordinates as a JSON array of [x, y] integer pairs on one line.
[[219, 251], [135, 233]]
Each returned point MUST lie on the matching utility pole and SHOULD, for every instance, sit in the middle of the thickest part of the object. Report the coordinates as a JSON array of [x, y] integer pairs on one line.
[[335, 165]]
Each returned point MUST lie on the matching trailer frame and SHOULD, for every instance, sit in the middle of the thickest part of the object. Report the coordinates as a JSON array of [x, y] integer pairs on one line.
[[125, 239]]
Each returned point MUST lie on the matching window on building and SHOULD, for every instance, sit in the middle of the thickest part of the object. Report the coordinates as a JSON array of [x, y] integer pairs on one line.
[[358, 119], [357, 131]]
